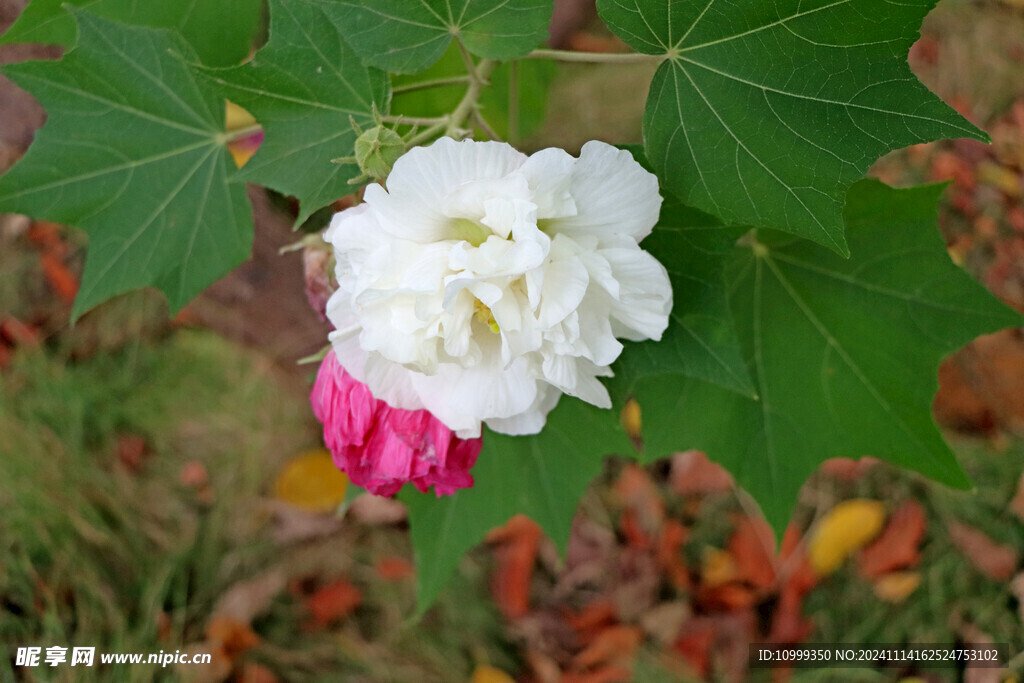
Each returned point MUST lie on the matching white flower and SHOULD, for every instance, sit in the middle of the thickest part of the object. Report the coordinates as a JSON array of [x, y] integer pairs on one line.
[[484, 283]]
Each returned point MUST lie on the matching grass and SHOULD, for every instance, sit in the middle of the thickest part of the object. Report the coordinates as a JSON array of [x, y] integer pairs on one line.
[[131, 559]]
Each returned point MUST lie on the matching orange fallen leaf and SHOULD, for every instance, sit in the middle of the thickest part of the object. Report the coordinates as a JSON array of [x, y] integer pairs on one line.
[[897, 547], [729, 597], [797, 578], [695, 645], [234, 636], [847, 469], [131, 450], [515, 557], [193, 475], [749, 546], [631, 528], [591, 620], [393, 568], [693, 473], [334, 601], [895, 587], [615, 644], [670, 556], [843, 530], [992, 559], [637, 492], [59, 277], [17, 332]]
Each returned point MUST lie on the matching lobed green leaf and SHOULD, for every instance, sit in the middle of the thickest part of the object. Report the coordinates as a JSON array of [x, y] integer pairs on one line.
[[764, 113], [406, 36], [133, 152], [844, 353], [304, 87], [220, 31]]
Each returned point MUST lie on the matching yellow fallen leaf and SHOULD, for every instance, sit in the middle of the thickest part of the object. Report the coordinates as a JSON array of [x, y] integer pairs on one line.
[[843, 530], [897, 586], [717, 567], [312, 482], [236, 118], [242, 151], [488, 674], [631, 419]]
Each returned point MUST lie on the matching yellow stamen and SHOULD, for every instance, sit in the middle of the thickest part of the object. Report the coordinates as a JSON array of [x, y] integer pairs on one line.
[[484, 315]]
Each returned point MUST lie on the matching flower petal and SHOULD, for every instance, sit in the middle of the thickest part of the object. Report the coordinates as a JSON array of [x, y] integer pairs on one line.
[[613, 193]]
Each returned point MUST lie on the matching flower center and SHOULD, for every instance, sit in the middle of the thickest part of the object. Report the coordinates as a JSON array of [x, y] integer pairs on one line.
[[474, 233], [484, 315]]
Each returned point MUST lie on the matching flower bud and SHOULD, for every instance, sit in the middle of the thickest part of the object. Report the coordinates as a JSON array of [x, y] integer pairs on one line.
[[377, 149]]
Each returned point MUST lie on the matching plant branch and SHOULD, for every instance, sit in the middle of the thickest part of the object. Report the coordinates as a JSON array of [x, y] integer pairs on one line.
[[433, 83], [480, 121], [415, 120], [594, 57], [427, 134], [478, 79]]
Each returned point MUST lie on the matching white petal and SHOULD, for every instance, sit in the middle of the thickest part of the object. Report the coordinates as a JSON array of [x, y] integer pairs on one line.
[[412, 207], [646, 294], [613, 193], [531, 420], [550, 174]]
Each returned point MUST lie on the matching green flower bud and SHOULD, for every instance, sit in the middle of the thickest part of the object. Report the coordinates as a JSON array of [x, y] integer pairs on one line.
[[377, 149]]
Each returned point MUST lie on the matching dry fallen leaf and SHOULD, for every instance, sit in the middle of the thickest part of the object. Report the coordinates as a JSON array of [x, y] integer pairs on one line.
[[247, 599], [897, 547], [515, 558], [334, 601], [615, 644], [992, 559], [693, 473], [234, 636], [895, 587], [752, 547], [1017, 503], [843, 530]]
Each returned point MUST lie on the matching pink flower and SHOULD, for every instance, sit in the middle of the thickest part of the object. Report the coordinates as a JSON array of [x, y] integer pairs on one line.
[[380, 447]]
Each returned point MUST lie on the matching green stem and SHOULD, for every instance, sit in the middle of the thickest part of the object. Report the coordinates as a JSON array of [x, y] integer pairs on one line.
[[415, 120], [480, 121], [427, 134], [595, 57], [478, 75], [433, 83], [513, 103]]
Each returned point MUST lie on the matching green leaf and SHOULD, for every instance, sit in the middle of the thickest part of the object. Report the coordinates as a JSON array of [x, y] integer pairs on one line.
[[133, 152], [406, 36], [701, 338], [844, 353], [303, 87], [220, 31], [535, 77], [541, 476], [764, 113]]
